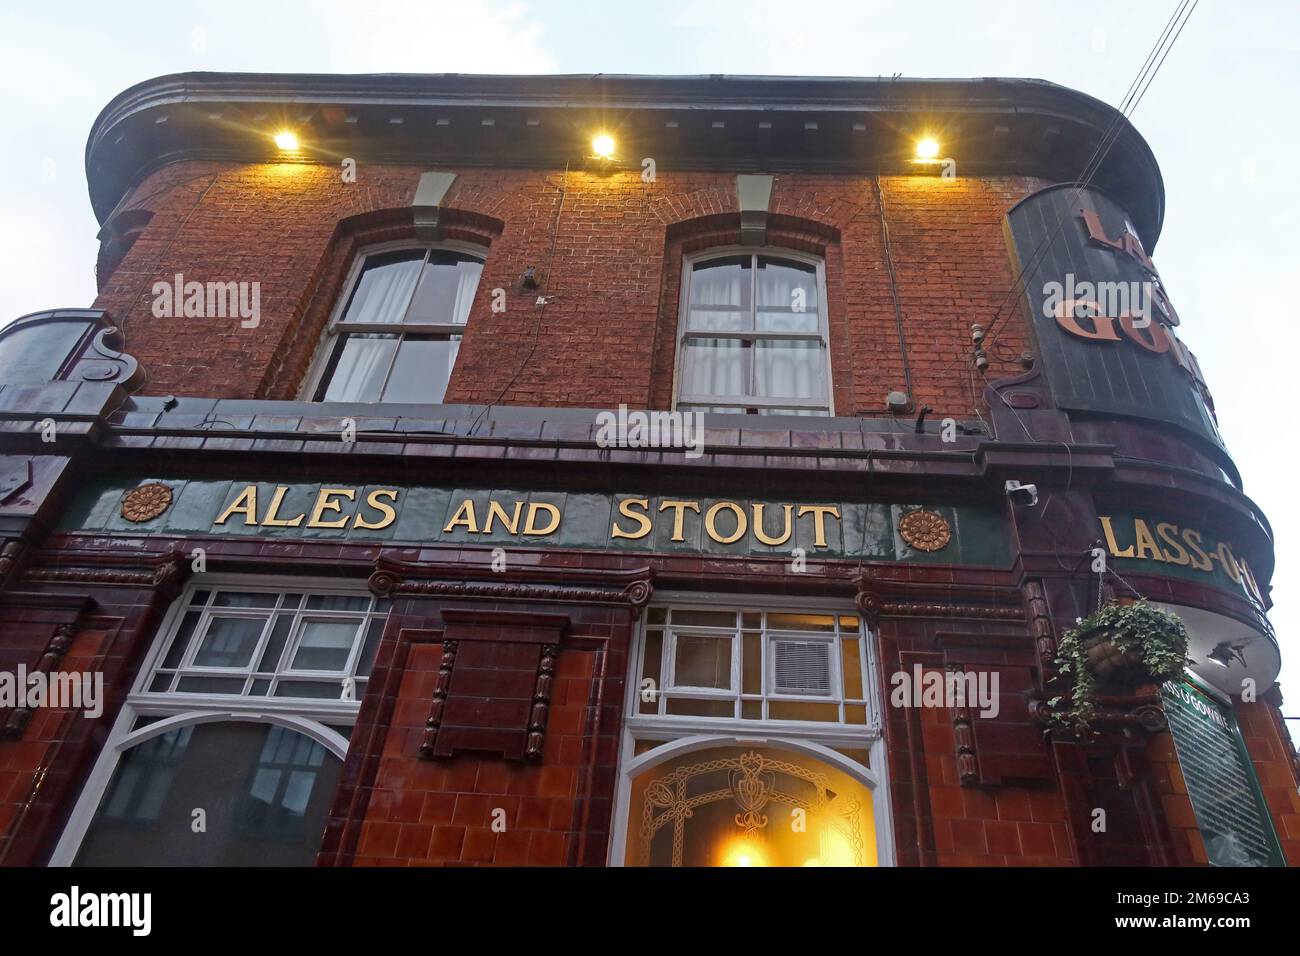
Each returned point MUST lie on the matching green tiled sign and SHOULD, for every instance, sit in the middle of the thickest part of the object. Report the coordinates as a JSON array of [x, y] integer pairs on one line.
[[636, 521]]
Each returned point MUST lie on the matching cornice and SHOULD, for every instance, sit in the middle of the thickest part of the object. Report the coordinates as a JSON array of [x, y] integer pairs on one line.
[[852, 124]]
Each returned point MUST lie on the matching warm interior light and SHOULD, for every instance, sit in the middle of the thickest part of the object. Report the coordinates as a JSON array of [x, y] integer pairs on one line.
[[603, 146], [286, 140], [741, 852], [927, 149]]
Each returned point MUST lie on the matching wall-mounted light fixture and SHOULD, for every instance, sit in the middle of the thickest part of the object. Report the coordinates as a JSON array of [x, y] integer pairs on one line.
[[1225, 653], [287, 141], [927, 149], [928, 158]]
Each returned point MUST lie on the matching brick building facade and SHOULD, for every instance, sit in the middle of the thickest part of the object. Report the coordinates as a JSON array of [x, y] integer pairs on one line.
[[345, 529]]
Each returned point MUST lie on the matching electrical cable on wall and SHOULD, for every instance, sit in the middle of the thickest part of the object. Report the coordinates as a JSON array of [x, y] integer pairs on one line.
[[1128, 106], [893, 287], [542, 301]]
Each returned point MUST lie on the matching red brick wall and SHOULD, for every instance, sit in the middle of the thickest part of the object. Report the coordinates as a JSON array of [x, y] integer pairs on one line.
[[1010, 825], [1188, 846], [396, 807], [608, 334], [42, 770], [1007, 826], [25, 760], [436, 812], [1273, 754]]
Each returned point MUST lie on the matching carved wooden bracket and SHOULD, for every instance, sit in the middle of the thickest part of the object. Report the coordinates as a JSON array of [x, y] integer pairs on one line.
[[63, 614], [493, 691], [165, 573], [568, 585], [963, 729], [54, 652], [1143, 712], [879, 595], [11, 559], [1040, 622], [872, 608]]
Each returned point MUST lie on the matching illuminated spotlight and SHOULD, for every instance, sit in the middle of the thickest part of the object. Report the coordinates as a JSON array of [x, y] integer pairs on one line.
[[603, 146], [927, 149], [286, 141]]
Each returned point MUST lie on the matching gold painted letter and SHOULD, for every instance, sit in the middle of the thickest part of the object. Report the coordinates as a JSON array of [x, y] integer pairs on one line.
[[1168, 534], [761, 533], [464, 515], [509, 522], [1110, 540], [530, 526], [373, 501], [711, 519], [1200, 560], [245, 504], [271, 520], [325, 501], [819, 513], [640, 517], [1146, 543], [680, 517]]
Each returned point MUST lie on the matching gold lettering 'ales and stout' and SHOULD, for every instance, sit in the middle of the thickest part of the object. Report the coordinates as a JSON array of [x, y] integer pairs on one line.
[[725, 522], [328, 511]]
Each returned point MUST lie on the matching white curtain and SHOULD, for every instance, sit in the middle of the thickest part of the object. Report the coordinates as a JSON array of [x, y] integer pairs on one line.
[[422, 369], [361, 369], [788, 369], [384, 291], [720, 283], [716, 368], [781, 289], [466, 284], [729, 368], [446, 289]]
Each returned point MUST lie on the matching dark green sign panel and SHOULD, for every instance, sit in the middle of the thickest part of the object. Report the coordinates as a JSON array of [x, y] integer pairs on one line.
[[1230, 809], [1155, 543], [634, 521]]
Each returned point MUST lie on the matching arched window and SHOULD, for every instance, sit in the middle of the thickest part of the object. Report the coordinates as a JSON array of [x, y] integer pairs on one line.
[[749, 805], [396, 335], [753, 737], [229, 747], [228, 793], [752, 335]]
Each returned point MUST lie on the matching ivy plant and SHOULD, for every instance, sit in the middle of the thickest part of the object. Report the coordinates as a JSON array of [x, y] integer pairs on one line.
[[1156, 638]]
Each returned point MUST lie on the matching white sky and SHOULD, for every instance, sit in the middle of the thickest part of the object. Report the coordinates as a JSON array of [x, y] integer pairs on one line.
[[1220, 117]]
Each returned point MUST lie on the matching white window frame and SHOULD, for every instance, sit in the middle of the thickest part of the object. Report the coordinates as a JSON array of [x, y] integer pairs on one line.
[[683, 317], [680, 735], [328, 341], [735, 691], [313, 717], [691, 690]]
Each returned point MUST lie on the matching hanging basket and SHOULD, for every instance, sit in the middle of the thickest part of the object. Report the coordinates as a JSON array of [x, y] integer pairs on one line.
[[1114, 668], [1112, 652]]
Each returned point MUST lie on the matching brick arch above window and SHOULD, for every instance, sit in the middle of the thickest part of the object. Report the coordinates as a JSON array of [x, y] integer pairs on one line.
[[288, 371], [691, 237]]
